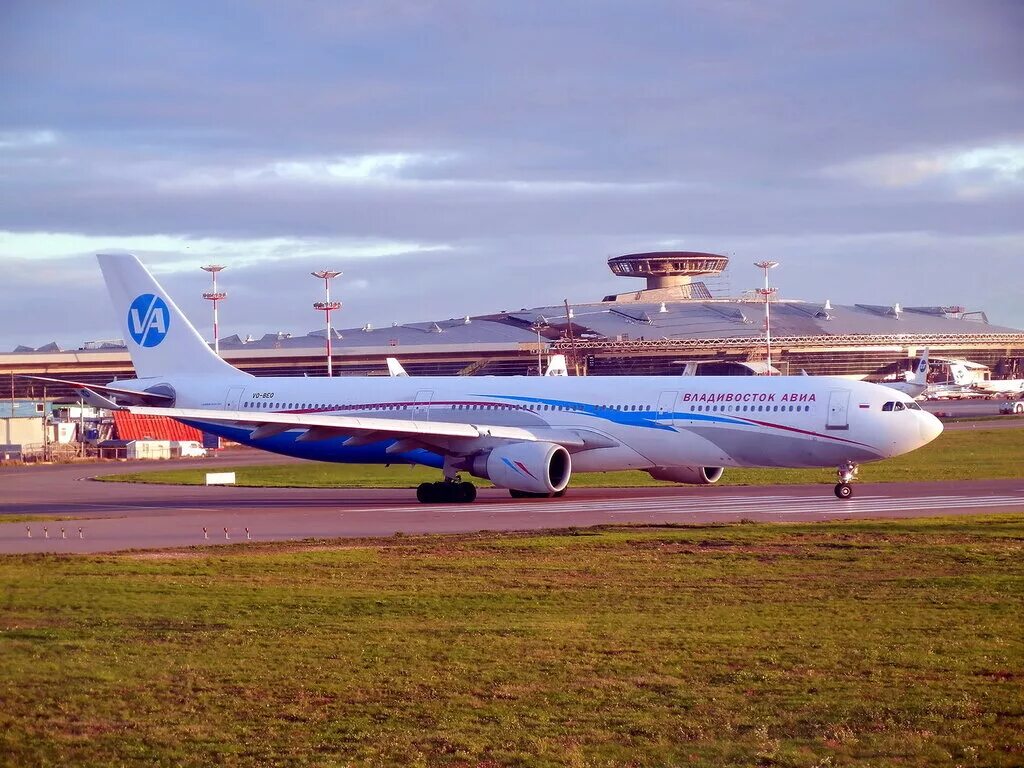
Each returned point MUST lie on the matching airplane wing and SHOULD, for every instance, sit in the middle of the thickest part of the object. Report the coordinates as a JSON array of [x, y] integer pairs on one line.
[[445, 436], [154, 398]]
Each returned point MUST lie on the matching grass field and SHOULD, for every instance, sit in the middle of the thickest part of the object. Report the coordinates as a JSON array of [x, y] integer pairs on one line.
[[869, 643], [958, 455]]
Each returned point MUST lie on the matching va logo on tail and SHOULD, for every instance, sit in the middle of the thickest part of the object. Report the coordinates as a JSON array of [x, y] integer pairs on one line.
[[148, 320]]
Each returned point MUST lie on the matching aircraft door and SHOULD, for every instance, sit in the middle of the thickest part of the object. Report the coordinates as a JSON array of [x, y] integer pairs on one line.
[[421, 409], [667, 406], [232, 398], [838, 409]]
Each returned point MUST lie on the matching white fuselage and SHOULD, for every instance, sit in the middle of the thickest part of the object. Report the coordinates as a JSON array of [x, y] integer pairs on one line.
[[1000, 386], [650, 421]]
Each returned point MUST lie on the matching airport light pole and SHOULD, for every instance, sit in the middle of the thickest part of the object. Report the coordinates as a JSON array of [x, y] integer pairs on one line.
[[538, 327], [216, 297], [767, 293], [327, 307]]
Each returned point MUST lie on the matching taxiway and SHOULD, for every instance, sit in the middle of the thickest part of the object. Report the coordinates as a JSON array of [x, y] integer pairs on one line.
[[117, 516]]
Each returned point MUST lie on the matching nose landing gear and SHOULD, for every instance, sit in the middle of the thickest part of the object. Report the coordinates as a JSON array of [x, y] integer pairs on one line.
[[846, 473]]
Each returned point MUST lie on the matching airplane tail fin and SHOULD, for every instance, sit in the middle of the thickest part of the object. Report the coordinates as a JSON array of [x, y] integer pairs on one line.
[[160, 339], [921, 372], [959, 374]]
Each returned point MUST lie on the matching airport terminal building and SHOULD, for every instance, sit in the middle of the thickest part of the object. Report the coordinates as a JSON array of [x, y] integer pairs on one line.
[[674, 320]]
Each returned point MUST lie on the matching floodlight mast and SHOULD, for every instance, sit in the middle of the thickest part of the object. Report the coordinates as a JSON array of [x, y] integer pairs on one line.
[[767, 293], [216, 297], [539, 326], [327, 307]]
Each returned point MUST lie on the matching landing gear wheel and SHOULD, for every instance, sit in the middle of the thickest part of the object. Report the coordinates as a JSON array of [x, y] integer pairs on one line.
[[445, 492], [845, 473], [843, 490], [425, 493]]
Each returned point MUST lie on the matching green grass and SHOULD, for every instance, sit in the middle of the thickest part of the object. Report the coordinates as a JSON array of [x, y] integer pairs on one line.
[[868, 643], [957, 455], [39, 518], [971, 419]]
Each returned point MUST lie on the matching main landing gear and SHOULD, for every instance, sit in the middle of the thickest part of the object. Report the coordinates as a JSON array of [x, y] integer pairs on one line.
[[446, 492], [846, 473]]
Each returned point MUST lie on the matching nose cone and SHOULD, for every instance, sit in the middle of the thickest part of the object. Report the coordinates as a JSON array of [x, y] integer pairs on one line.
[[929, 426]]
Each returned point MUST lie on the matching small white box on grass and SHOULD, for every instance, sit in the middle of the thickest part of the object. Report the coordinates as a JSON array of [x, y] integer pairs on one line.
[[220, 478]]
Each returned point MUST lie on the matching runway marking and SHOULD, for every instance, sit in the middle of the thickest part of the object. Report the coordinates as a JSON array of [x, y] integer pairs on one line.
[[724, 505]]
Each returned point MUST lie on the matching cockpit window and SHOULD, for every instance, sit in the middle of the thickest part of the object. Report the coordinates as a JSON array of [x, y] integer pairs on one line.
[[898, 406], [888, 406], [912, 406]]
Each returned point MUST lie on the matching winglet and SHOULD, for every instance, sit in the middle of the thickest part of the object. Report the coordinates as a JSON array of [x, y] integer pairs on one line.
[[395, 368], [557, 366]]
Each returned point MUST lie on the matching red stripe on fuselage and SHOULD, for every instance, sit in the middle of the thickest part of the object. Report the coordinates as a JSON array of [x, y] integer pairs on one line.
[[803, 431]]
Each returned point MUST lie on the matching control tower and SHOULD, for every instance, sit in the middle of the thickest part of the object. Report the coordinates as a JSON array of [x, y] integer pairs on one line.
[[669, 274]]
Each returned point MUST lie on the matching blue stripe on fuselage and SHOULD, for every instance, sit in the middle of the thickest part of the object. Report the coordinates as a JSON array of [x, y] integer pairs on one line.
[[646, 419]]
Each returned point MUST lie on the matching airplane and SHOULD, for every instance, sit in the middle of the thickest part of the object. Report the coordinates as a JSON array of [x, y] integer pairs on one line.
[[525, 434], [1000, 387], [557, 366], [916, 383], [964, 378]]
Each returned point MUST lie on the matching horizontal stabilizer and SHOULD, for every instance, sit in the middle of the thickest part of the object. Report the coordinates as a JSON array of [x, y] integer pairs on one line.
[[132, 395]]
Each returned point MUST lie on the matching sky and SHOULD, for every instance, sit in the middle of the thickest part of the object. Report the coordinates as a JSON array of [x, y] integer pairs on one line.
[[457, 158]]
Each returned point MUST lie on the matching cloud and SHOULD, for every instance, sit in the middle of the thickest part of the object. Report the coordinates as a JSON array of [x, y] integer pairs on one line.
[[457, 157], [970, 172], [422, 172], [343, 170], [176, 253], [17, 140]]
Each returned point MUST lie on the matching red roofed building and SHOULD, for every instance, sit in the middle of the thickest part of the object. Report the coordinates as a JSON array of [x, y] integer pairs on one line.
[[130, 426]]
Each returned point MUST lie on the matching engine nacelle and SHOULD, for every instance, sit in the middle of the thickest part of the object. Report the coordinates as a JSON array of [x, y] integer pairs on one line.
[[691, 475], [529, 467]]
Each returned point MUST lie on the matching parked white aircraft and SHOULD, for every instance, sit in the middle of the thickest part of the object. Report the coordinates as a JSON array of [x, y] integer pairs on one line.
[[525, 434], [963, 379], [557, 366], [915, 384], [1007, 387]]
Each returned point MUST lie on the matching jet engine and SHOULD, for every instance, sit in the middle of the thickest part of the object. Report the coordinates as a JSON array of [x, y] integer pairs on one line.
[[529, 467], [691, 475]]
